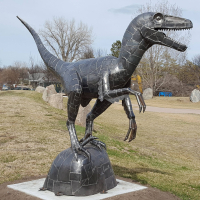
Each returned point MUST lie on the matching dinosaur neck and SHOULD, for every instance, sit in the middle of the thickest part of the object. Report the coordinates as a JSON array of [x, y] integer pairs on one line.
[[133, 48]]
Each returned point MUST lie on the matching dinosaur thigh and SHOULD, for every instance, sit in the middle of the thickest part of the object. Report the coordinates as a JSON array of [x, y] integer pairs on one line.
[[73, 89], [71, 81], [104, 86]]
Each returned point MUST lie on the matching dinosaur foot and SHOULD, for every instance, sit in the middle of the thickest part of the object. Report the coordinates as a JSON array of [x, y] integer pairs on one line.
[[92, 140], [79, 148], [59, 194], [98, 144]]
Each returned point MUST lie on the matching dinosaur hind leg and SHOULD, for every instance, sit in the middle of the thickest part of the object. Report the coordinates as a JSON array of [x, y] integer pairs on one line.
[[98, 108], [126, 103], [74, 101]]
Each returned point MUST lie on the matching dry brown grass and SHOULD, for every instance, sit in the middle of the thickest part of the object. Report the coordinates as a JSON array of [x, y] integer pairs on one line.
[[31, 135], [165, 153], [159, 133]]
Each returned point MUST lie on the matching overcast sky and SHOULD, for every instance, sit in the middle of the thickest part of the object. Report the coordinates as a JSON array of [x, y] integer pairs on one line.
[[108, 18]]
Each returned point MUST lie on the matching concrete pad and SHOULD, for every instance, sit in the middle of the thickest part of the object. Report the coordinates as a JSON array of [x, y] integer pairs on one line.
[[32, 188]]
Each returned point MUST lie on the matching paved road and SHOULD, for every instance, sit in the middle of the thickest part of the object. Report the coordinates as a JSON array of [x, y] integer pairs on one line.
[[167, 110], [170, 110]]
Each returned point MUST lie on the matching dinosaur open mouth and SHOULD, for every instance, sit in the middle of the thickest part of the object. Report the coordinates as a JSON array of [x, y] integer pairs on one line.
[[167, 41]]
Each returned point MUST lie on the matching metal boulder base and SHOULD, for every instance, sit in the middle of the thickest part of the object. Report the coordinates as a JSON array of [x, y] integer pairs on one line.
[[68, 176]]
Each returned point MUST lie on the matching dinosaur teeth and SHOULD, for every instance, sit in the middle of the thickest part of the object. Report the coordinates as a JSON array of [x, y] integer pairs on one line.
[[172, 29]]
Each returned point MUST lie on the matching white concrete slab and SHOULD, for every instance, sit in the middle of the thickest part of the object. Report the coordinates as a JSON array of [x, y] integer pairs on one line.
[[32, 188]]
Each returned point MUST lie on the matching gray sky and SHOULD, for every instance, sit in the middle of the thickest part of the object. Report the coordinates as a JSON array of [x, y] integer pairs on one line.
[[108, 18]]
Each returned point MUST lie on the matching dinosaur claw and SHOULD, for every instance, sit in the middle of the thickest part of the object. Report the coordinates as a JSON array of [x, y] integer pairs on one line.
[[144, 108], [78, 149], [142, 102], [127, 135], [131, 131], [104, 145], [89, 139], [99, 144], [85, 152], [140, 109], [133, 135], [42, 189], [59, 194]]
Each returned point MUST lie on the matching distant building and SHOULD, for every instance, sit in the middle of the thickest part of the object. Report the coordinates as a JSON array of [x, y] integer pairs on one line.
[[44, 80], [36, 79], [5, 87]]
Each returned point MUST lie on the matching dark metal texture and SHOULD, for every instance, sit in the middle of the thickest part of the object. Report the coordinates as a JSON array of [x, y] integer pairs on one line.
[[108, 78], [69, 177]]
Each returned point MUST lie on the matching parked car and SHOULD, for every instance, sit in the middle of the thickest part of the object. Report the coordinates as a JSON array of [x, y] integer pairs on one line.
[[17, 88]]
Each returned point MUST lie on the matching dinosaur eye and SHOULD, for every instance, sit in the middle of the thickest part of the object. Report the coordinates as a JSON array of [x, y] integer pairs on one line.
[[158, 17]]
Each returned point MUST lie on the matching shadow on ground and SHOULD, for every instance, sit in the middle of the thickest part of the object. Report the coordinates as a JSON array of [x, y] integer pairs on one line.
[[133, 173]]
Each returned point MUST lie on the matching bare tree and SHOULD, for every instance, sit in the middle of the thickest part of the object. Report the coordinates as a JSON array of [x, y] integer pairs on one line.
[[10, 75], [35, 72], [190, 74], [65, 39], [151, 66], [100, 53], [89, 53], [23, 71], [49, 76], [14, 74], [34, 69], [1, 77], [94, 53], [196, 60]]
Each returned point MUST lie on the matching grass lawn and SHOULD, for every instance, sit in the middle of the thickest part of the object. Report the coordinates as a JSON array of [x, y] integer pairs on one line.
[[165, 153]]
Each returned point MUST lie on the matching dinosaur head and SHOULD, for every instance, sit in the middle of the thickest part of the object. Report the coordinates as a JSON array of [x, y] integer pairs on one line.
[[151, 24]]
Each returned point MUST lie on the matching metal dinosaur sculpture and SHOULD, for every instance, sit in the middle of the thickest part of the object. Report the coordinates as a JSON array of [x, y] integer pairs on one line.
[[108, 78]]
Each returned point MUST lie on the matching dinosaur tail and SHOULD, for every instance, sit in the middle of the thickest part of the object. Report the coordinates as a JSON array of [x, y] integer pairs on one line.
[[52, 63]]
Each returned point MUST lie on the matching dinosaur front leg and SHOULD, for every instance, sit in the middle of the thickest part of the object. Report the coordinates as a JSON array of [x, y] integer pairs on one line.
[[126, 103], [98, 108], [110, 94]]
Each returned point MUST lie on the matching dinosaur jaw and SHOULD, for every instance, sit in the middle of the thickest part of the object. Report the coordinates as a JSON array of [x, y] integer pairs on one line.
[[169, 42], [151, 30], [168, 23]]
